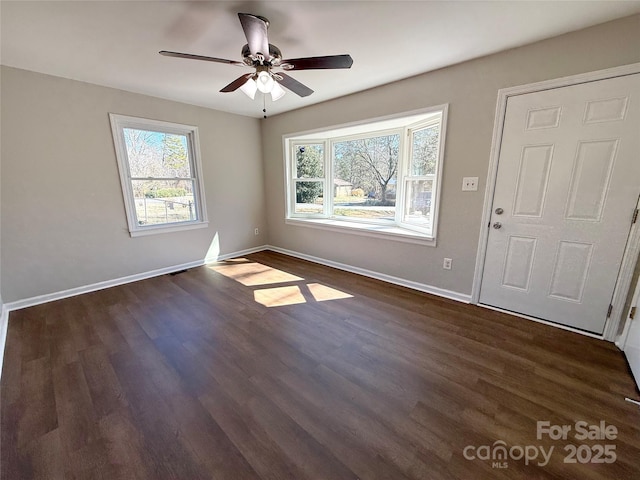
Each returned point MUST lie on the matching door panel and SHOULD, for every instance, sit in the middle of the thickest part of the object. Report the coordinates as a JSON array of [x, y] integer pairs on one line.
[[567, 183], [590, 179], [518, 262], [533, 178], [570, 271]]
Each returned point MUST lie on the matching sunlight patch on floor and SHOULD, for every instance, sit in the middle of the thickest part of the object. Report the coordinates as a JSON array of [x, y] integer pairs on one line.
[[279, 296], [252, 274], [292, 295], [322, 293], [291, 289]]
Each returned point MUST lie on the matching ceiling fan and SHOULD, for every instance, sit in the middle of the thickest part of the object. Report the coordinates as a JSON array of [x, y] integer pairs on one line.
[[258, 53]]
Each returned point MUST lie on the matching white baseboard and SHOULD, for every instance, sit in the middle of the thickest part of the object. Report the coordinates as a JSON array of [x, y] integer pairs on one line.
[[422, 287], [239, 253], [4, 327], [50, 297]]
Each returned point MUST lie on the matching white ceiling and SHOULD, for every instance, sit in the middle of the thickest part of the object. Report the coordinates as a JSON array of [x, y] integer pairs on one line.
[[116, 43]]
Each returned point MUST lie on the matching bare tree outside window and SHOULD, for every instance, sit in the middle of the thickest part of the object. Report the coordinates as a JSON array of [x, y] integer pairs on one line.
[[370, 165]]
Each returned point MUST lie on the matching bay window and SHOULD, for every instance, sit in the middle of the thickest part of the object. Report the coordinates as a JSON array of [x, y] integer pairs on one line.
[[381, 178]]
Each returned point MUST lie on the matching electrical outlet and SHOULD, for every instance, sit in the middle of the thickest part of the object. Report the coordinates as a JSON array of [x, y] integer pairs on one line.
[[447, 264], [256, 232], [470, 184]]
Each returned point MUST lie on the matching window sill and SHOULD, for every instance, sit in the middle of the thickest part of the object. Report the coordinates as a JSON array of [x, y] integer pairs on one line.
[[174, 227], [389, 232]]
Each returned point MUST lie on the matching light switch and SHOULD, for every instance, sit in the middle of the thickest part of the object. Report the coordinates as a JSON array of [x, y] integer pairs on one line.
[[470, 184]]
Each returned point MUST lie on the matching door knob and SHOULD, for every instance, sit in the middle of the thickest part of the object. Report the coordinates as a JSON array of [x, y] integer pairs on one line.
[[499, 211], [497, 225]]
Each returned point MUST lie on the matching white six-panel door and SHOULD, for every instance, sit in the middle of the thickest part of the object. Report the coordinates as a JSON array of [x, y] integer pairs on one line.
[[567, 185]]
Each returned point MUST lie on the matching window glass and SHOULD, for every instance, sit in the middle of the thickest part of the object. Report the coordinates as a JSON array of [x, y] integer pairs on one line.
[[310, 161], [309, 197], [162, 201], [424, 150], [418, 202], [366, 173]]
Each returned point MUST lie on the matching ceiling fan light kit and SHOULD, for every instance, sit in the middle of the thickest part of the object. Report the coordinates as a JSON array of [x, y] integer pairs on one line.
[[250, 88], [265, 82], [264, 79], [277, 92]]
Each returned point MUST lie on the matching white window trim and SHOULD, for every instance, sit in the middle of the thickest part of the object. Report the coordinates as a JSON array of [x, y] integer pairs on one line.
[[396, 230], [118, 123], [391, 231]]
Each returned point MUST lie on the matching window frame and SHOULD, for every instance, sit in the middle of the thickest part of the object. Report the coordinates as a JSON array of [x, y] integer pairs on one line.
[[118, 124], [435, 177], [405, 125]]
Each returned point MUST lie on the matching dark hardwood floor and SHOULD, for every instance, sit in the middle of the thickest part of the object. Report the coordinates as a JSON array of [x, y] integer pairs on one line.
[[270, 367]]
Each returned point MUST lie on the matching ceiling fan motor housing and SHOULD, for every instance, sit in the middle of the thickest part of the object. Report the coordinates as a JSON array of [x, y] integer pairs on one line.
[[275, 56]]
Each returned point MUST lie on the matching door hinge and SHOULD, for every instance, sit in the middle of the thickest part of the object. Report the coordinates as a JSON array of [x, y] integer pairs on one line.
[[632, 313], [635, 216], [609, 311]]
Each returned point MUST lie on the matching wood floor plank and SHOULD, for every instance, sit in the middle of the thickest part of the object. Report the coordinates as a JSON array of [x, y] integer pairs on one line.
[[270, 367], [169, 456], [329, 431], [392, 417], [38, 416], [124, 446], [264, 455], [104, 388], [311, 457], [111, 338], [44, 458], [361, 424], [76, 417]]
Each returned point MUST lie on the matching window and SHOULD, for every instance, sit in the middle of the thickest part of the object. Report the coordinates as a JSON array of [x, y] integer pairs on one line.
[[381, 178], [309, 179], [160, 172]]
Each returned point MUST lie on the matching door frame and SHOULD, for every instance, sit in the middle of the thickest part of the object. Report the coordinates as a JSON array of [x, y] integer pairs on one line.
[[621, 341], [632, 249]]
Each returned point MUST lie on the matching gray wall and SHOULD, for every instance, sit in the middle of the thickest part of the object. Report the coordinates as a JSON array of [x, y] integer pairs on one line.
[[470, 89], [63, 218], [1, 301]]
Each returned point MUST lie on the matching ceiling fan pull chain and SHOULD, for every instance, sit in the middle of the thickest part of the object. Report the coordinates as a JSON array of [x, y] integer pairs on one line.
[[264, 105]]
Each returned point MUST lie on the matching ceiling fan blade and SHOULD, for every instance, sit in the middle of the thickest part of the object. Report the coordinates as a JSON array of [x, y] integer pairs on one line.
[[237, 83], [199, 57], [317, 63], [255, 29], [294, 85]]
